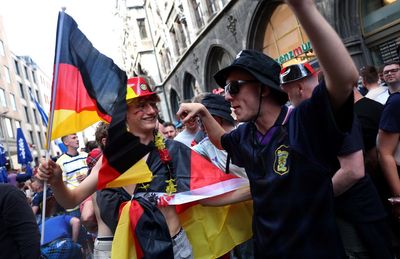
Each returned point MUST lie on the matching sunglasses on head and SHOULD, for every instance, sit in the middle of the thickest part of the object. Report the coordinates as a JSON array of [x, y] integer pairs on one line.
[[233, 87]]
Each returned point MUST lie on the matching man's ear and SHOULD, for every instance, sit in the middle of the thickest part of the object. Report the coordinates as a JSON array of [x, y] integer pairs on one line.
[[265, 91]]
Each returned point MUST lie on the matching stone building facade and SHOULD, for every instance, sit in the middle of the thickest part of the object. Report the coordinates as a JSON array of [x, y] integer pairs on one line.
[[193, 39]]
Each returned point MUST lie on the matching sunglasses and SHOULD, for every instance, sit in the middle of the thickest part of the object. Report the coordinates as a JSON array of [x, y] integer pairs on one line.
[[233, 87]]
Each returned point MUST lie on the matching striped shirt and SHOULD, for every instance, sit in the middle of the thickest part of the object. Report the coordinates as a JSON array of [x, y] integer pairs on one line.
[[72, 166]]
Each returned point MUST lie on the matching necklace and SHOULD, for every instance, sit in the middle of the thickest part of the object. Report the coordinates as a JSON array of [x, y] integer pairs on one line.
[[166, 159]]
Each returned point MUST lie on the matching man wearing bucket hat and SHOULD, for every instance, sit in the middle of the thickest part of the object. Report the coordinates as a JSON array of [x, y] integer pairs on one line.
[[283, 152], [360, 214]]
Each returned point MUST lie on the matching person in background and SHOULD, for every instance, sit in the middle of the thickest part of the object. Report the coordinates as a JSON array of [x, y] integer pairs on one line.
[[73, 165], [370, 80], [359, 212], [187, 135], [389, 135], [169, 130], [61, 238], [19, 233]]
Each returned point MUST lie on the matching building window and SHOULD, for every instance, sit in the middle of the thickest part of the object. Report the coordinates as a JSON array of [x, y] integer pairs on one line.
[[21, 91], [211, 7], [26, 72], [142, 28], [27, 114], [7, 74], [285, 40], [34, 77], [31, 135], [16, 65], [198, 13], [2, 51], [3, 98], [10, 132], [35, 116], [13, 103], [40, 140]]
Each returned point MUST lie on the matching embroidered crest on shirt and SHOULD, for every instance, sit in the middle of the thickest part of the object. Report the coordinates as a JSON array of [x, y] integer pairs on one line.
[[281, 163]]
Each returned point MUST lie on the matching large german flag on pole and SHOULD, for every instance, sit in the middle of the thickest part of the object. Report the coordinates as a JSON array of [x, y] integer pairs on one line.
[[86, 83]]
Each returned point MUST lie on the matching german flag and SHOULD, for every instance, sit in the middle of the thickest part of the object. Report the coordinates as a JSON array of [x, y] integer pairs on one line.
[[86, 83], [212, 231], [123, 160]]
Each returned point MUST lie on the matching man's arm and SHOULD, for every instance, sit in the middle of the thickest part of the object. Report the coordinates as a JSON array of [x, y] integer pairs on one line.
[[76, 227], [386, 144], [339, 70], [214, 130], [351, 170], [51, 172], [239, 195]]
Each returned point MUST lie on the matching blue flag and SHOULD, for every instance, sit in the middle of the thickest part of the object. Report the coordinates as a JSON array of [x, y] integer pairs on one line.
[[24, 154], [3, 159], [43, 114], [61, 145]]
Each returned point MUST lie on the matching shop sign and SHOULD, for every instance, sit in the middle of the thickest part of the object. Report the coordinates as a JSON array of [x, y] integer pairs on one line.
[[303, 48]]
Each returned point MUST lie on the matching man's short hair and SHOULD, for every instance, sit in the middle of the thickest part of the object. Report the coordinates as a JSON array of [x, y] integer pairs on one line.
[[169, 124], [369, 74], [64, 137], [391, 63], [101, 132]]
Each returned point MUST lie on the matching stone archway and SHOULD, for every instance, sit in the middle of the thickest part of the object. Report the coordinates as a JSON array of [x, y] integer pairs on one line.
[[174, 101], [218, 58]]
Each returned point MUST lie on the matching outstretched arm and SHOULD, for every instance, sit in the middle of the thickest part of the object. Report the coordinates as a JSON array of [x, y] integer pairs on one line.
[[214, 130], [239, 195], [51, 172], [339, 70]]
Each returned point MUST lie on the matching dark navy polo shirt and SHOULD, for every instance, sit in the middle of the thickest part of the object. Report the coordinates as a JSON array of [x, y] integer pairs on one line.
[[290, 179], [390, 119]]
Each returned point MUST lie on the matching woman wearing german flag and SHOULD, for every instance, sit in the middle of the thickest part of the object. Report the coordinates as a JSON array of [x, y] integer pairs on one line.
[[171, 180]]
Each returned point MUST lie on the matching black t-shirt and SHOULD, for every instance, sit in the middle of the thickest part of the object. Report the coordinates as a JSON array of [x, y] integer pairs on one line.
[[368, 113], [19, 233], [290, 179]]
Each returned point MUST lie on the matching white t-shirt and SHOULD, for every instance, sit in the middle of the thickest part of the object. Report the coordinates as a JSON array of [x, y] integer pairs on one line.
[[378, 94], [185, 137]]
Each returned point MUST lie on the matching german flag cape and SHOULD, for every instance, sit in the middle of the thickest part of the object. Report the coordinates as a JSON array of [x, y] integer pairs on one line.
[[88, 83], [122, 162], [212, 231]]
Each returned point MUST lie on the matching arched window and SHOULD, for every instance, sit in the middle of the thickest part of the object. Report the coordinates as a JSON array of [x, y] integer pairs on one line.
[[284, 38], [174, 100], [218, 59], [189, 84]]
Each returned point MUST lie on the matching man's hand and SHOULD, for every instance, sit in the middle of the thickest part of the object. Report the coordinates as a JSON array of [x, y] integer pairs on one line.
[[50, 171], [188, 111], [80, 177]]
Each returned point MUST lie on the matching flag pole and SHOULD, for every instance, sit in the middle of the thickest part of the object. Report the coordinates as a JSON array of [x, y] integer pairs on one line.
[[50, 126]]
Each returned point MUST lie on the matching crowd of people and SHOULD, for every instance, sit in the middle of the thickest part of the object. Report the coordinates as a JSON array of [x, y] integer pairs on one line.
[[319, 154]]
